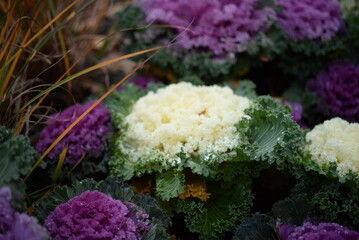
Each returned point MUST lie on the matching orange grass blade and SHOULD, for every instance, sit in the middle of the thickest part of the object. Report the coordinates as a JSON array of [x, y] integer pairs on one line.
[[43, 29], [12, 68], [68, 129], [8, 19], [64, 50], [9, 41], [66, 58]]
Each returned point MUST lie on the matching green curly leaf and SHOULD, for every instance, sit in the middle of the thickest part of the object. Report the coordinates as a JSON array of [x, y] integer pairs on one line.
[[269, 134], [169, 184]]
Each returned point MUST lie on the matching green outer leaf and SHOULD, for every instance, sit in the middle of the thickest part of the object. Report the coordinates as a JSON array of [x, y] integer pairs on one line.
[[206, 164], [169, 184], [228, 205], [269, 134]]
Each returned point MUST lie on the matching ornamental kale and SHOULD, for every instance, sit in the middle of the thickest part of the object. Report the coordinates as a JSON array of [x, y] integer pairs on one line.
[[321, 231], [334, 145], [219, 27], [319, 19], [158, 135], [94, 215], [14, 225], [205, 52], [143, 216], [87, 137], [338, 87], [215, 142], [180, 118]]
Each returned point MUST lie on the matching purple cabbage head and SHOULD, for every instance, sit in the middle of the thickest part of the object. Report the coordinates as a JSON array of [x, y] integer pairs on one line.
[[321, 231], [338, 87], [88, 136], [96, 216], [17, 226], [311, 19], [221, 27], [141, 81]]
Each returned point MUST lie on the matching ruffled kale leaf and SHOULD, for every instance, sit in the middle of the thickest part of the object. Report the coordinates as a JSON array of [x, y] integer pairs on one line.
[[206, 164], [17, 158], [169, 184], [121, 166], [269, 134], [227, 206], [257, 227]]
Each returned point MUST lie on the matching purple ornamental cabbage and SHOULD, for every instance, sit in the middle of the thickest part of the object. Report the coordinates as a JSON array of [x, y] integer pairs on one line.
[[219, 26], [322, 231], [338, 87], [96, 216], [88, 136], [311, 19], [141, 81], [17, 226]]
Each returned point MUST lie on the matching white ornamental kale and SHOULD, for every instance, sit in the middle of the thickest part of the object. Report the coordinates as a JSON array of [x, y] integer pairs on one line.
[[183, 118], [335, 141]]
